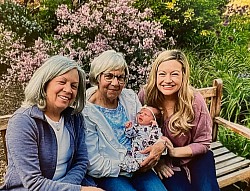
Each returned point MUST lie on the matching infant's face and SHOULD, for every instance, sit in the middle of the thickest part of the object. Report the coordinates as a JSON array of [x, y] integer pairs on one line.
[[144, 117]]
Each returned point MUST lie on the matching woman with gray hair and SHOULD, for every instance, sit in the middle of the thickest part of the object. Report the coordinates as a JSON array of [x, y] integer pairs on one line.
[[109, 106], [45, 137]]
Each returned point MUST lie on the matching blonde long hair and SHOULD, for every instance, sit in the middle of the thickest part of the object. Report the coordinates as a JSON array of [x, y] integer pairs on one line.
[[181, 120]]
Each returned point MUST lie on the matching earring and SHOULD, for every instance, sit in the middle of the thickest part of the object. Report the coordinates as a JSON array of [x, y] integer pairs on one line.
[[41, 102]]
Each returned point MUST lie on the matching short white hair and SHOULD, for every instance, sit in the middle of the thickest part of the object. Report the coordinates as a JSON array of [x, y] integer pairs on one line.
[[35, 91], [107, 61]]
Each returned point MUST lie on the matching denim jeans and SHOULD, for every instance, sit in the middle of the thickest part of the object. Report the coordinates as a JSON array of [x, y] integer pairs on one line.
[[145, 181], [203, 176]]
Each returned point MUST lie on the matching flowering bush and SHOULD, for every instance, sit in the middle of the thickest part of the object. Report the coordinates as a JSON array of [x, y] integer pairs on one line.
[[42, 12], [18, 62], [93, 28], [100, 25]]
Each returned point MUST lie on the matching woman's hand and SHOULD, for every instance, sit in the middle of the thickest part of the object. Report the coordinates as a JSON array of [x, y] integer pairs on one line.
[[163, 170], [178, 152], [90, 188], [155, 151], [169, 146]]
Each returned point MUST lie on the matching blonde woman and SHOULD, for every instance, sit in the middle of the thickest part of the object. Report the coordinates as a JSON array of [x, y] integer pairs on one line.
[[187, 125]]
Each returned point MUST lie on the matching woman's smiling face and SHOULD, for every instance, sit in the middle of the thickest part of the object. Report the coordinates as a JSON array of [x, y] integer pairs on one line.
[[111, 89], [61, 91], [169, 77]]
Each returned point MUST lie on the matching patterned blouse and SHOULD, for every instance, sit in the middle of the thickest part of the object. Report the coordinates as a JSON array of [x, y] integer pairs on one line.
[[117, 118]]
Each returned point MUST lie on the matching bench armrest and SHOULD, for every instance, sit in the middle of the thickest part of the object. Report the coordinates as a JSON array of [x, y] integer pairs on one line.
[[239, 129], [4, 121]]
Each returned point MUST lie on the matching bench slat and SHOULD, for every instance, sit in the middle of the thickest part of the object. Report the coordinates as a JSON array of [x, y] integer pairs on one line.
[[232, 168], [216, 144], [234, 177], [229, 162], [220, 151], [208, 92], [4, 121], [224, 157]]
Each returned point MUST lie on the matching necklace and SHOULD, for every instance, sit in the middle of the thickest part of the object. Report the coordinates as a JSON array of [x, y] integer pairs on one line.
[[169, 108], [57, 125], [168, 111]]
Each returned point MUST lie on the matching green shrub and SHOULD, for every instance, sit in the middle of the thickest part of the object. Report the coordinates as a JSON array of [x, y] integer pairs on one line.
[[18, 19], [46, 16], [185, 20], [228, 59], [235, 143]]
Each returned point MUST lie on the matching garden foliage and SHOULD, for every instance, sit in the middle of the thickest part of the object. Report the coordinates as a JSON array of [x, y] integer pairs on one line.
[[18, 19], [46, 16], [84, 33], [101, 25], [187, 21], [229, 59], [20, 61]]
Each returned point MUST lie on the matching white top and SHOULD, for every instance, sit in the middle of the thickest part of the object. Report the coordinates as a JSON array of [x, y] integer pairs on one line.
[[63, 145]]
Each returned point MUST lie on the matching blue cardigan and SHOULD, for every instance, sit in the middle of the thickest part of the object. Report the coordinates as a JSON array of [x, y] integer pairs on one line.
[[32, 152]]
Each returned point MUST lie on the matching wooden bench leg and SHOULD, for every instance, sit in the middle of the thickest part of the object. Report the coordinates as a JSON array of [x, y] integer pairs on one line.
[[248, 185]]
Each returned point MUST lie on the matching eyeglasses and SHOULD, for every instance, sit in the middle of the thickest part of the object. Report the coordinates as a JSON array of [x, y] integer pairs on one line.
[[109, 77]]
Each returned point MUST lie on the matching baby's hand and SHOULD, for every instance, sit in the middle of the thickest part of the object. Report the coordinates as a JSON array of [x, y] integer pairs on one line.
[[128, 124], [154, 123]]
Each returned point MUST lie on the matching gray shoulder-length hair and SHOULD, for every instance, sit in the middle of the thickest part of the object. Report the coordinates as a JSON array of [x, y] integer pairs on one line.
[[35, 91], [107, 61]]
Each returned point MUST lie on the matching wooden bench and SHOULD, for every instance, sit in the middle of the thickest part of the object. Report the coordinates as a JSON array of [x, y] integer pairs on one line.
[[229, 167]]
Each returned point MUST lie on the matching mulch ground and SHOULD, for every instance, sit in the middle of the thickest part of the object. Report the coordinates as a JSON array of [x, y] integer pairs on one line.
[[10, 100]]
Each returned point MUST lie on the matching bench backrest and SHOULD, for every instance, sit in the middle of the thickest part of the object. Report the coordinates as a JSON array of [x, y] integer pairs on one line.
[[212, 96]]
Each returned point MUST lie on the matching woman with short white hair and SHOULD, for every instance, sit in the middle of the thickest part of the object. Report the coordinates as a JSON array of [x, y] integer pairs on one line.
[[109, 106]]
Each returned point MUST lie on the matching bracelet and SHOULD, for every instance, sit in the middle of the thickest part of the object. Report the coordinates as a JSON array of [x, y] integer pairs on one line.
[[162, 141], [165, 144]]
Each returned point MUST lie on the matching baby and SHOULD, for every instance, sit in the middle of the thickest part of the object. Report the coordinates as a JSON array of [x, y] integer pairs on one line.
[[143, 134]]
